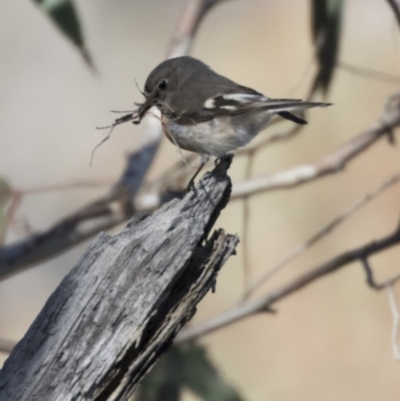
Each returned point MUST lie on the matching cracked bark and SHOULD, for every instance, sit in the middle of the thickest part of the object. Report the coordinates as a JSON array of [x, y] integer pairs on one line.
[[121, 306]]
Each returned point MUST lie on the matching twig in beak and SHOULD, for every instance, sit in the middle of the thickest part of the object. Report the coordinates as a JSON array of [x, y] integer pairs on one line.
[[131, 116]]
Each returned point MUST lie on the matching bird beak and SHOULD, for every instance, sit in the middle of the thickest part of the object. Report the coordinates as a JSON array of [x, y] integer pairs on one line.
[[146, 105]]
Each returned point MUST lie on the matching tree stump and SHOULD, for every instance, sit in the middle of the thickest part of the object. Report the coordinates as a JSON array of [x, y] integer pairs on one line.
[[121, 306]]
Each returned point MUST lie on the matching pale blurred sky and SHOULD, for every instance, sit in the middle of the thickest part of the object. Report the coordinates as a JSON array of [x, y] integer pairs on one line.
[[331, 341]]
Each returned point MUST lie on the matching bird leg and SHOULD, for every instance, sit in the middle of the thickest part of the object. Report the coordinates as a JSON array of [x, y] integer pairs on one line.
[[204, 160], [191, 181]]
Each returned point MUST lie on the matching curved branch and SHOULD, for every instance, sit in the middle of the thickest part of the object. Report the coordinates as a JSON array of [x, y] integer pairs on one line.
[[325, 230], [266, 302]]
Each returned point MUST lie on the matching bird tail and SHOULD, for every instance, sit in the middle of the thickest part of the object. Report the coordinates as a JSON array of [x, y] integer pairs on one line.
[[289, 116], [282, 107]]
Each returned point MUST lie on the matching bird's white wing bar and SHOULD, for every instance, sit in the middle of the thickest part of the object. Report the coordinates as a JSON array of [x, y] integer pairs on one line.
[[209, 103], [245, 97], [241, 102]]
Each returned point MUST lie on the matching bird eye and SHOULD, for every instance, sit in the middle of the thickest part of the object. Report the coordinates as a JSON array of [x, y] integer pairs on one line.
[[162, 84]]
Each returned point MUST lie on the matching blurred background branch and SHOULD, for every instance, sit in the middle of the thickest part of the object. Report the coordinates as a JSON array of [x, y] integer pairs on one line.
[[266, 302]]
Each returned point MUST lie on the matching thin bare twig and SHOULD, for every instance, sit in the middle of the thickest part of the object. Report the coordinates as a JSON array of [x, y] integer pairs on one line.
[[267, 301], [192, 16], [324, 231], [396, 323], [371, 280], [18, 194], [173, 174], [66, 186], [369, 73], [388, 285], [246, 224]]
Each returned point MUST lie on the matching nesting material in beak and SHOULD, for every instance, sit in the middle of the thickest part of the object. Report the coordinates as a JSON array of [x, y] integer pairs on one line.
[[143, 109]]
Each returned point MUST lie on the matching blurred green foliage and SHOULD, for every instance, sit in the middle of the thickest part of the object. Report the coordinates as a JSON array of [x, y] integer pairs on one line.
[[326, 30], [186, 366], [64, 15]]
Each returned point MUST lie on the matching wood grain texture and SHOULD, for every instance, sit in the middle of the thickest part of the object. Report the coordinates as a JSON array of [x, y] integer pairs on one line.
[[121, 306]]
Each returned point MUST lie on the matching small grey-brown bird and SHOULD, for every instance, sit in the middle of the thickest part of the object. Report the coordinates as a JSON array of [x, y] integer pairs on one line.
[[207, 113]]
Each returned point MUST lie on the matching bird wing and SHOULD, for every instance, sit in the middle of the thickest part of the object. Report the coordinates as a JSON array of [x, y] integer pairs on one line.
[[238, 103]]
